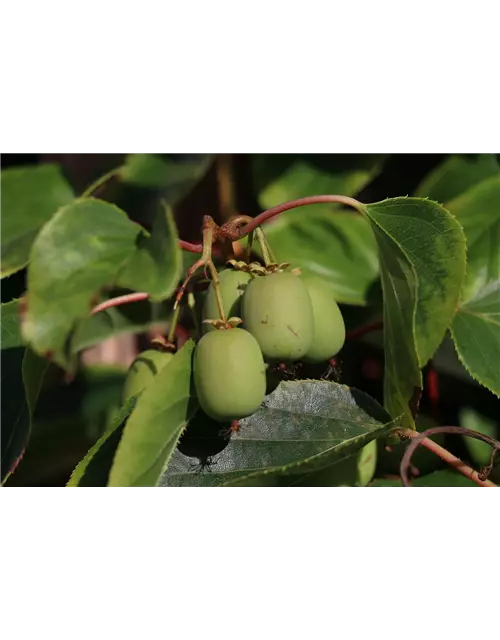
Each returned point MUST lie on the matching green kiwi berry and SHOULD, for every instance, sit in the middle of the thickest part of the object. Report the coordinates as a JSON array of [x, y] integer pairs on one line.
[[229, 374], [232, 284], [277, 311], [329, 327], [142, 370]]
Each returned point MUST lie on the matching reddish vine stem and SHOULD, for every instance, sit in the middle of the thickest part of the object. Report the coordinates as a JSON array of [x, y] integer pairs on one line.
[[361, 331], [422, 439], [237, 234], [119, 300], [293, 204]]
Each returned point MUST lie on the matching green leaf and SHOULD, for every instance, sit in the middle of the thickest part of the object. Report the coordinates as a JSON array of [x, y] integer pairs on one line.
[[81, 249], [34, 370], [157, 264], [444, 478], [422, 257], [30, 197], [302, 426], [476, 333], [326, 242], [22, 377], [476, 326], [280, 177], [86, 246], [152, 431], [478, 211], [173, 175], [94, 469], [480, 452], [457, 174], [136, 317], [10, 325]]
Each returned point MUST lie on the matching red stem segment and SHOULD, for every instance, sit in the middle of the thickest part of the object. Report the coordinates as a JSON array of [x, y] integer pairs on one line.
[[453, 461], [361, 331], [274, 211], [115, 302]]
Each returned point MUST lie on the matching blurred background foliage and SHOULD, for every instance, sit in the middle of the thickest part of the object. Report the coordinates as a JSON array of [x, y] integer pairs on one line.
[[72, 414]]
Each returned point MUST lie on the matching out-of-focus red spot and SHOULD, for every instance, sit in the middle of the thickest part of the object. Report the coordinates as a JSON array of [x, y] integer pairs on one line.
[[372, 369]]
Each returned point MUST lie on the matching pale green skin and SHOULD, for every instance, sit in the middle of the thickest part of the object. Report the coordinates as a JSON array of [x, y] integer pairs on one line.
[[232, 286], [277, 310], [143, 370], [329, 327], [355, 471], [229, 374]]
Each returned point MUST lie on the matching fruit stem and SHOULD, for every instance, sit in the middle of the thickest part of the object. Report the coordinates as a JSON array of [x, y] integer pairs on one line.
[[248, 253], [216, 283], [264, 246], [422, 439], [206, 257], [173, 324], [100, 181], [191, 301]]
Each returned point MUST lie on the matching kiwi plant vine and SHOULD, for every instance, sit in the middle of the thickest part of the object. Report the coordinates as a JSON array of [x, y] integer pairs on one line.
[[257, 323], [225, 397]]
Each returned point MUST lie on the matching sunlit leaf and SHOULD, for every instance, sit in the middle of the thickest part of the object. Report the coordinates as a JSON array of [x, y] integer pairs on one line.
[[153, 429], [422, 256], [93, 470], [85, 247], [30, 197]]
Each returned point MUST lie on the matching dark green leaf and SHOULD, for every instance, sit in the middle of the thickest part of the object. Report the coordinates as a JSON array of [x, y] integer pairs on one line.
[[173, 175], [10, 325], [457, 174], [34, 370], [444, 478], [152, 431], [302, 426], [69, 419], [476, 333], [22, 378], [326, 242], [94, 469], [422, 256], [279, 177], [30, 197], [480, 452]]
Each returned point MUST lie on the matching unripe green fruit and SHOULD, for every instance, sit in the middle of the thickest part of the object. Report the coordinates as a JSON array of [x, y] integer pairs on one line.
[[277, 310], [232, 284], [329, 327], [229, 374], [142, 370]]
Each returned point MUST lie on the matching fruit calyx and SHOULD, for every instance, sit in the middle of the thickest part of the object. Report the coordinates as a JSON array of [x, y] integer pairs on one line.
[[231, 323], [162, 345]]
